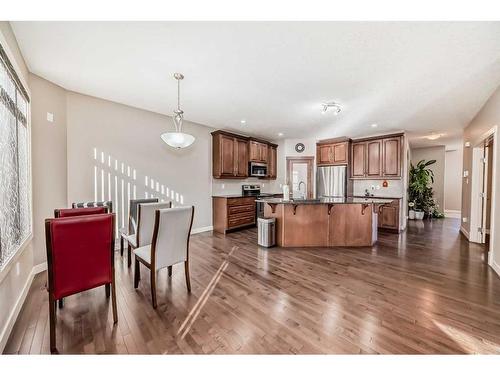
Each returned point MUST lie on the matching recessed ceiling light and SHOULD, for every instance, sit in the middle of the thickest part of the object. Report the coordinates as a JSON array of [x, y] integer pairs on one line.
[[374, 125], [243, 122], [280, 134]]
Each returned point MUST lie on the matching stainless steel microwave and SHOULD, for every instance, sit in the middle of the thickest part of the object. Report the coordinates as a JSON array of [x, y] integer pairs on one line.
[[258, 169]]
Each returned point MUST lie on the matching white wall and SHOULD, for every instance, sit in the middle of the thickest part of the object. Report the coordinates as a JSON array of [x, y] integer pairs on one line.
[[48, 145], [433, 153], [131, 136], [487, 118], [16, 277], [453, 180]]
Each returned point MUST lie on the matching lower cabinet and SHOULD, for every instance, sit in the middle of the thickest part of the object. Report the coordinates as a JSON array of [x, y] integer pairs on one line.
[[231, 213], [388, 216]]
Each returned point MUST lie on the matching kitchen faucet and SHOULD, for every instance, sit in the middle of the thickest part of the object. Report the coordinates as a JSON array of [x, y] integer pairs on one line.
[[302, 182]]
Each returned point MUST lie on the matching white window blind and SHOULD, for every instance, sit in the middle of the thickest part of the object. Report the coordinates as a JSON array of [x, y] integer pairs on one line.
[[15, 185]]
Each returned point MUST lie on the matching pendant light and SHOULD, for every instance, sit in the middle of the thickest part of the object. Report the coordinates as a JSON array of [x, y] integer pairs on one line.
[[178, 139]]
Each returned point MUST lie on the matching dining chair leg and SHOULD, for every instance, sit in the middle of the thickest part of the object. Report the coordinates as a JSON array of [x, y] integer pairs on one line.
[[61, 303], [129, 255], [137, 273], [169, 271], [113, 302], [121, 245], [153, 288], [186, 271], [107, 288], [52, 324]]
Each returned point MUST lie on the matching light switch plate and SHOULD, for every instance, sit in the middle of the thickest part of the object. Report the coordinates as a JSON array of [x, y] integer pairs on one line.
[[50, 117], [466, 173]]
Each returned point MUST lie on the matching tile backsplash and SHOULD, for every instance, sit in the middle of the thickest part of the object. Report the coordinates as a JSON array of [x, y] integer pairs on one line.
[[395, 189]]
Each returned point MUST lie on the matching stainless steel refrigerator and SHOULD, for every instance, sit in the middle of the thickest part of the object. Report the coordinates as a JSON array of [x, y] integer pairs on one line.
[[331, 182]]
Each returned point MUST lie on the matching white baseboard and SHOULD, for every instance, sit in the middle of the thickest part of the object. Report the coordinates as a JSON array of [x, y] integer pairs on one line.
[[495, 266], [464, 232], [202, 229], [4, 336], [454, 214], [39, 268]]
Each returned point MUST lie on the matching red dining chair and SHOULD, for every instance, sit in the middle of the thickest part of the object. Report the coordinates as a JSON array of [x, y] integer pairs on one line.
[[80, 255], [67, 212]]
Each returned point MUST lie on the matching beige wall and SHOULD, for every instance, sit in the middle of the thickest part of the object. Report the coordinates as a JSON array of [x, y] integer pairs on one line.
[[487, 118], [15, 278], [433, 153], [49, 157], [453, 180], [122, 134]]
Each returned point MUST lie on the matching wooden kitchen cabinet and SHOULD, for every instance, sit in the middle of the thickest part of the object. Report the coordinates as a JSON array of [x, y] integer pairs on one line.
[[388, 216], [358, 151], [376, 158], [229, 156], [272, 162], [391, 161], [257, 151], [233, 212], [332, 152]]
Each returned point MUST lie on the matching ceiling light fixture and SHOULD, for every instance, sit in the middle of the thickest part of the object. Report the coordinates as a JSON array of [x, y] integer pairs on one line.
[[280, 134], [178, 139], [331, 106], [433, 136], [374, 125], [243, 122]]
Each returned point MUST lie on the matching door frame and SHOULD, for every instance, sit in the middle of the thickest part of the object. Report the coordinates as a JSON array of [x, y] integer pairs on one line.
[[309, 160], [476, 188]]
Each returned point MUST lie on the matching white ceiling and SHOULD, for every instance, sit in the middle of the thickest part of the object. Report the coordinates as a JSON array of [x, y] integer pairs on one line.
[[414, 76]]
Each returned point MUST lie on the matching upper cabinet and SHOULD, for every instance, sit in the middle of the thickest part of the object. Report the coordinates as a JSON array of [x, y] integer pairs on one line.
[[391, 157], [257, 151], [332, 152], [376, 158], [272, 162], [231, 154]]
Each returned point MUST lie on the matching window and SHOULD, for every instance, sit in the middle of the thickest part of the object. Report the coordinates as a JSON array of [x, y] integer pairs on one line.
[[15, 210]]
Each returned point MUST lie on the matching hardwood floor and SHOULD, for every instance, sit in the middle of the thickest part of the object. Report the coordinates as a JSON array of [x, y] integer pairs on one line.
[[425, 291]]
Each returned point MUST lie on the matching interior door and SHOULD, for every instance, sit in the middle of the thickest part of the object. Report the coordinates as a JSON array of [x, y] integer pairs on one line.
[[299, 176]]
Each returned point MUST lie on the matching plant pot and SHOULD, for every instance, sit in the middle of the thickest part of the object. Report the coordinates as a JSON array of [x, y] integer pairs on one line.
[[419, 215], [411, 214]]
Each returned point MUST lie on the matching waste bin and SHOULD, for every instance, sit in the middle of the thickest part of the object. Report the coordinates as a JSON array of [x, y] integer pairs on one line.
[[266, 231]]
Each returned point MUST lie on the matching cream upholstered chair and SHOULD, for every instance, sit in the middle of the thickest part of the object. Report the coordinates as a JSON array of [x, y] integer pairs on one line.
[[145, 226], [132, 222], [170, 245]]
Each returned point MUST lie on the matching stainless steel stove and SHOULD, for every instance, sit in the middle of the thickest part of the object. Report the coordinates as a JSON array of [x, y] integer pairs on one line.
[[254, 191]]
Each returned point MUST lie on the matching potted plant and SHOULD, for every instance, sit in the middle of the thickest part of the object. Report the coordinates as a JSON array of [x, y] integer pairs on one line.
[[420, 192], [411, 211]]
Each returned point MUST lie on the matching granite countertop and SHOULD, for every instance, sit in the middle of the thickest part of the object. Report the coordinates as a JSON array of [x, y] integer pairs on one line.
[[241, 195], [375, 197], [349, 200]]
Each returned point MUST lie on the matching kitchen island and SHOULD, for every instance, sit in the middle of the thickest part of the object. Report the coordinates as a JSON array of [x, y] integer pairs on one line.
[[324, 222]]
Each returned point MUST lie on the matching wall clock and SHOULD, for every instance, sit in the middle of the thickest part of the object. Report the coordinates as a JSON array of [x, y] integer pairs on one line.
[[299, 147]]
